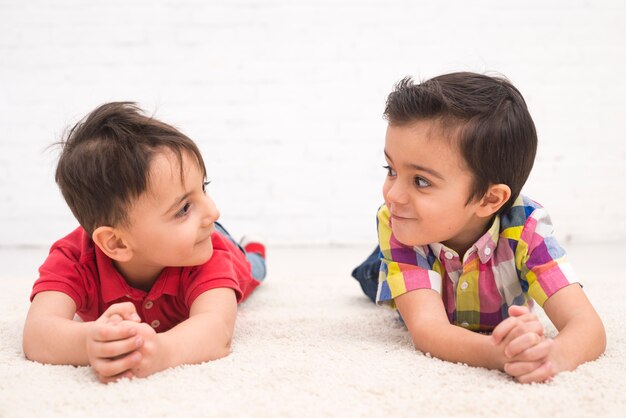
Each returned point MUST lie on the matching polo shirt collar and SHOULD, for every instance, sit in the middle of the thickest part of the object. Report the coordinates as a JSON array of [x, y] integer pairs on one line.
[[114, 287]]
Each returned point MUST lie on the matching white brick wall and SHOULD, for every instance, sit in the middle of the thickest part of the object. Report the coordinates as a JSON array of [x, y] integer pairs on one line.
[[284, 97]]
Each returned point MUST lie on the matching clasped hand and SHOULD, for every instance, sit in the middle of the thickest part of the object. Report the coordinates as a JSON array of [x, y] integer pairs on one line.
[[119, 345], [526, 350]]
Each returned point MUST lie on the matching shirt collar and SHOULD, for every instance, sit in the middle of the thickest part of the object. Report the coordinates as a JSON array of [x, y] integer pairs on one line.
[[485, 245], [114, 287]]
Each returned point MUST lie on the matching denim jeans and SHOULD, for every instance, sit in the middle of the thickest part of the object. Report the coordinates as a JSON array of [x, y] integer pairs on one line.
[[367, 274], [256, 261]]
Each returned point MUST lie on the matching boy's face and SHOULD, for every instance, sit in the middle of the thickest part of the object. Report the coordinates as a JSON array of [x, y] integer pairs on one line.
[[427, 188], [171, 223]]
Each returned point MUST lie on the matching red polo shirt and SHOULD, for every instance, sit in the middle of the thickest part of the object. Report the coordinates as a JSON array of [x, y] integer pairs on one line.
[[78, 268]]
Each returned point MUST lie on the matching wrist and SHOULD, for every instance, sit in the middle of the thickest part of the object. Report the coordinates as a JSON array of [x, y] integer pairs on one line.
[[558, 359], [495, 357], [166, 357]]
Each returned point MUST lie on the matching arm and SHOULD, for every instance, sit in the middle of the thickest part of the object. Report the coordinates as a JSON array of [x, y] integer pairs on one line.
[[426, 319], [52, 336], [205, 335], [525, 346], [581, 334], [544, 267], [581, 338]]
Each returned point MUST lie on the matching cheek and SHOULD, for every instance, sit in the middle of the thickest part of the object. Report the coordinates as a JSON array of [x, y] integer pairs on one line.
[[386, 187]]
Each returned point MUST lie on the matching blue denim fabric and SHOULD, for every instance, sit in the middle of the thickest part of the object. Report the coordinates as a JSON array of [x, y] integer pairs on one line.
[[256, 261], [367, 274], [258, 266]]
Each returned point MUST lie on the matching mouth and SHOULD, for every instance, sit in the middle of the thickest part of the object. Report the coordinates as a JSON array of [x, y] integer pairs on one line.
[[401, 218], [206, 237], [203, 240]]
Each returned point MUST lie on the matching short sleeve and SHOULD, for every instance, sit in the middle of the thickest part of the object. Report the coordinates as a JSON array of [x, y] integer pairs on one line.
[[402, 268], [541, 260], [226, 268], [62, 272]]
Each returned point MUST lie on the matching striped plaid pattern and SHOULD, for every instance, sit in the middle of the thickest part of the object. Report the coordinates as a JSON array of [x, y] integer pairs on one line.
[[516, 259]]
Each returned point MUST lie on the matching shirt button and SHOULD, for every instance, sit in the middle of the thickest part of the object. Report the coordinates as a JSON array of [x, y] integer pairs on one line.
[[148, 304], [464, 324], [464, 285], [449, 255], [155, 323], [487, 251]]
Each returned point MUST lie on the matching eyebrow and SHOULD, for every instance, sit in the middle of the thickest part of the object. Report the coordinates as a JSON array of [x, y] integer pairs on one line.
[[418, 167], [178, 202]]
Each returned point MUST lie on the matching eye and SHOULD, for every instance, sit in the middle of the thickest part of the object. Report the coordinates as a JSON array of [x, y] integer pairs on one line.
[[390, 171], [184, 210], [206, 183], [421, 182]]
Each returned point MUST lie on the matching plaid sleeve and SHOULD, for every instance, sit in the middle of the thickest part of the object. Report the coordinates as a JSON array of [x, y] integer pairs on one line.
[[402, 268], [540, 259]]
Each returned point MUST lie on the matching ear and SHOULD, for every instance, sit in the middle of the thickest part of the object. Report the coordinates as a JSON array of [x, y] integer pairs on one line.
[[111, 242], [495, 197]]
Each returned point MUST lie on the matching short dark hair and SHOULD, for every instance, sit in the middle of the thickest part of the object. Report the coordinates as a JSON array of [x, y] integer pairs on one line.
[[494, 130], [105, 161]]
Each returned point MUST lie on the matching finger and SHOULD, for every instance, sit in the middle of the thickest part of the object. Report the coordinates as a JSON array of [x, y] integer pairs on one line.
[[522, 343], [523, 324], [520, 368], [517, 310], [125, 375], [538, 352], [125, 309], [110, 368], [541, 374], [115, 319], [114, 349], [503, 329], [109, 332]]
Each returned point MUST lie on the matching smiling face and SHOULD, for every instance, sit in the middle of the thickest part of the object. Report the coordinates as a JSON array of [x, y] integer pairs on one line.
[[171, 223], [427, 188]]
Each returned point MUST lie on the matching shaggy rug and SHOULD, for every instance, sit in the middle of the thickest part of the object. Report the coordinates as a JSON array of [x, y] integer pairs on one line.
[[309, 344]]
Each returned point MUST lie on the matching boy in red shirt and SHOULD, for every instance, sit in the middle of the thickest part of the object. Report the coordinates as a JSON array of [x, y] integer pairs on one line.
[[154, 278]]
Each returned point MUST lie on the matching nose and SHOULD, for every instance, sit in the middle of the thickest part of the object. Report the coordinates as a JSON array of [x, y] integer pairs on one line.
[[210, 211], [395, 192]]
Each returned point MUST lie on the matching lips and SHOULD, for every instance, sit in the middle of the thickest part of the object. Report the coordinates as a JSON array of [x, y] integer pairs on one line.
[[204, 239], [401, 218]]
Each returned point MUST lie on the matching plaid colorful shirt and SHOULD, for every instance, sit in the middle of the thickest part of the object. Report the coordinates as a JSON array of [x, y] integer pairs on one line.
[[517, 258]]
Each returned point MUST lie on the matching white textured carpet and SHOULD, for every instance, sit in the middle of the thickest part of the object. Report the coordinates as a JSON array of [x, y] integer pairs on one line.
[[308, 344]]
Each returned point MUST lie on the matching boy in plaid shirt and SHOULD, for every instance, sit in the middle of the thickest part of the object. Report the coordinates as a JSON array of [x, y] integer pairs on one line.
[[460, 249]]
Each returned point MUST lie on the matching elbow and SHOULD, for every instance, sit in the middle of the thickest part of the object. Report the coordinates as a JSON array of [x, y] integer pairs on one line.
[[423, 338], [223, 349], [30, 349], [601, 340], [26, 348], [598, 333], [34, 345]]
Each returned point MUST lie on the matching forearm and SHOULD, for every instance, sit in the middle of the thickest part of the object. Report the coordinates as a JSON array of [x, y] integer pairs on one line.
[[455, 344], [581, 333], [56, 340], [582, 339], [198, 339], [425, 317]]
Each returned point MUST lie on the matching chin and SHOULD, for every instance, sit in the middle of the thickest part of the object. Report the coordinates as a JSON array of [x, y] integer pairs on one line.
[[206, 256], [405, 237]]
